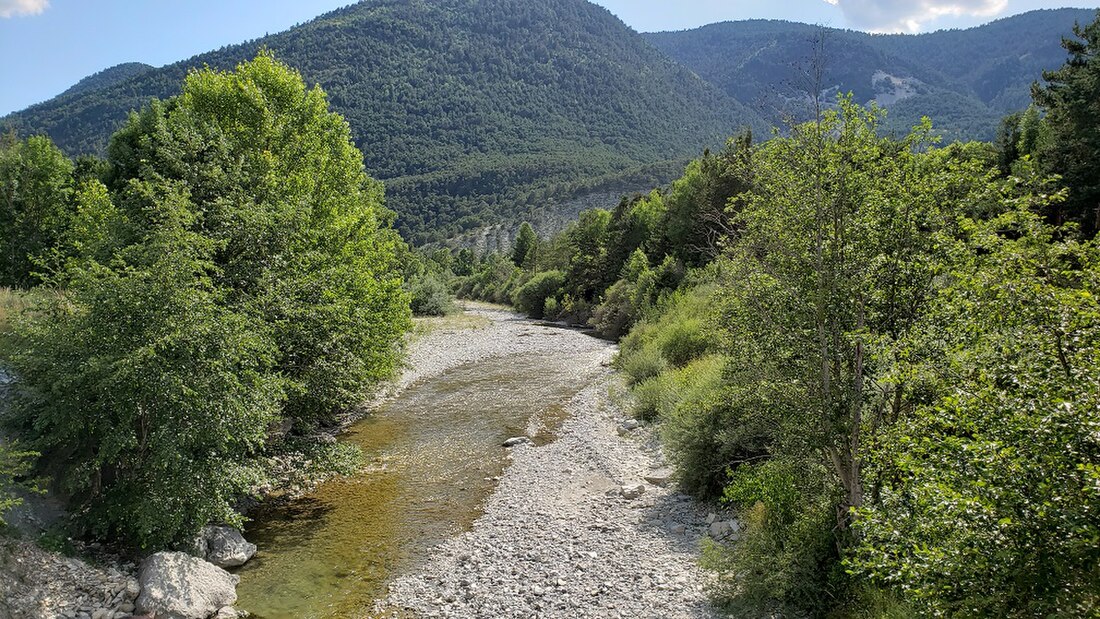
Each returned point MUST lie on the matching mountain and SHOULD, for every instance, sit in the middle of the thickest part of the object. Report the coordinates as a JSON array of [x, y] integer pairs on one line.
[[965, 80], [470, 110], [108, 77]]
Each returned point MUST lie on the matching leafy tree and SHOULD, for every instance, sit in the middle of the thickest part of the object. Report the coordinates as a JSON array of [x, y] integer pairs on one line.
[[150, 389], [14, 464], [588, 241], [525, 254], [302, 240], [237, 269], [35, 188], [989, 488], [697, 217], [1071, 98]]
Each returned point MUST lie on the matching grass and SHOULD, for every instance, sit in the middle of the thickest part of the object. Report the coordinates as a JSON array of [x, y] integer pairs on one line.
[[12, 303], [459, 321]]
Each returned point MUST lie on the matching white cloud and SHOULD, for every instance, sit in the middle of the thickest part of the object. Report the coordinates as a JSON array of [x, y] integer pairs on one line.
[[12, 8], [912, 15]]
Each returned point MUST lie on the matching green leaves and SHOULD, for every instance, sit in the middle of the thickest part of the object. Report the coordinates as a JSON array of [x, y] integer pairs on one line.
[[234, 272]]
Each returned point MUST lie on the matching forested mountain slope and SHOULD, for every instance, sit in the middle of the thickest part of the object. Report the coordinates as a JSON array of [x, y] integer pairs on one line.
[[965, 80], [469, 109]]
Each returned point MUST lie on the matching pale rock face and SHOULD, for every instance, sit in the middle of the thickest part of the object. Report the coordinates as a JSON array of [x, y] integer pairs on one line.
[[175, 585], [226, 547]]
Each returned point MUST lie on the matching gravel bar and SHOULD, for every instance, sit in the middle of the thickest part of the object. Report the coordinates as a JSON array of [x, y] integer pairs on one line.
[[573, 529]]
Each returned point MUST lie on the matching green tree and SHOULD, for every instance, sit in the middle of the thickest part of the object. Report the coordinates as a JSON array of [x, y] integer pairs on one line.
[[237, 269], [588, 241], [1071, 98], [35, 188], [525, 253], [990, 486], [152, 390], [302, 240]]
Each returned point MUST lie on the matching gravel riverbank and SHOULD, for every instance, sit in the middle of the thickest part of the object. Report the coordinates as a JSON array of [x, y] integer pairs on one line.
[[559, 536]]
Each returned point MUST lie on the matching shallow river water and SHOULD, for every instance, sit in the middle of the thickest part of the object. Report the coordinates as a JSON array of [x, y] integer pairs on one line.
[[433, 454]]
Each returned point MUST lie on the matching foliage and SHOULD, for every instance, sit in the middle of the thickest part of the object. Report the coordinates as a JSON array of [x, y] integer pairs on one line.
[[153, 392], [786, 560], [1071, 98], [525, 254], [531, 297], [430, 296], [1006, 453], [14, 465], [236, 270], [35, 188]]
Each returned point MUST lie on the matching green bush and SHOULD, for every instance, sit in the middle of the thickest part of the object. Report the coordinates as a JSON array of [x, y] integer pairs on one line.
[[642, 364], [430, 296], [530, 298], [706, 428], [785, 560]]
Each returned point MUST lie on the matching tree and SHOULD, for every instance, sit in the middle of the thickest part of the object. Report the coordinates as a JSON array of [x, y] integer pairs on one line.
[[1071, 98], [236, 270], [1001, 452], [302, 240], [35, 188], [525, 253]]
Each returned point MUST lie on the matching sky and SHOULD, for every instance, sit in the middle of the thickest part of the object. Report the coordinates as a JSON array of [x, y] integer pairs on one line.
[[46, 46]]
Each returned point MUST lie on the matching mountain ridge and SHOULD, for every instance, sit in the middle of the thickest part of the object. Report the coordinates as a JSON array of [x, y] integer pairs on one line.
[[965, 79], [469, 109]]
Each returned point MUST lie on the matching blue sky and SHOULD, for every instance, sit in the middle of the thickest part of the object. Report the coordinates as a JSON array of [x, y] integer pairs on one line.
[[48, 45]]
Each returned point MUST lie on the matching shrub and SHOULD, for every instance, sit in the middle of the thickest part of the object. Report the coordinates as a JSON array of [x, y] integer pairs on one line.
[[430, 296], [530, 298], [642, 364], [785, 560]]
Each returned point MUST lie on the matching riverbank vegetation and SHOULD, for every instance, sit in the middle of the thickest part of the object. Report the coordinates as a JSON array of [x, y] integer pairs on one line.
[[225, 281], [882, 353]]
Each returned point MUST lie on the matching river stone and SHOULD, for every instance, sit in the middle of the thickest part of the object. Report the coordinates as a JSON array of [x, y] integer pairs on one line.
[[660, 477], [177, 586], [720, 529], [226, 547], [519, 440]]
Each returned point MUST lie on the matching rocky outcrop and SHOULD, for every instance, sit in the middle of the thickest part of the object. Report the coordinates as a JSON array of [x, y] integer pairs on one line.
[[224, 547], [175, 585]]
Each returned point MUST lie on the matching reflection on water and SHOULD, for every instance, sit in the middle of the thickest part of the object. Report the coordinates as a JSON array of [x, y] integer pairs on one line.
[[433, 454]]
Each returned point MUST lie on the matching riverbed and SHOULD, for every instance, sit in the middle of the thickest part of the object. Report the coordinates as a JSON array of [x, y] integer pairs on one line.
[[438, 522]]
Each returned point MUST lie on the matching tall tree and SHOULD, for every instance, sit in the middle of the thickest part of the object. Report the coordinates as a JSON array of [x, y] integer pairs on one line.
[[36, 181], [525, 253], [241, 270], [1071, 97]]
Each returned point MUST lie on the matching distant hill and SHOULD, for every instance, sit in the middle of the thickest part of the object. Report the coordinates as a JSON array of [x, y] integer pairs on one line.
[[965, 80], [108, 77], [471, 110]]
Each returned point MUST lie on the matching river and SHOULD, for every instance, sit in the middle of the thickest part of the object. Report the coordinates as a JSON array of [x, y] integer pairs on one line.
[[434, 454]]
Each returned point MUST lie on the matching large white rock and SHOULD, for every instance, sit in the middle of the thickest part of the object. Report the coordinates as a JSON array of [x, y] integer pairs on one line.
[[226, 547], [175, 585]]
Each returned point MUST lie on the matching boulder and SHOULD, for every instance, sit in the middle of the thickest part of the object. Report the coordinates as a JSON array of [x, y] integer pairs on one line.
[[632, 491], [226, 547], [720, 529], [519, 440], [660, 477], [175, 585]]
